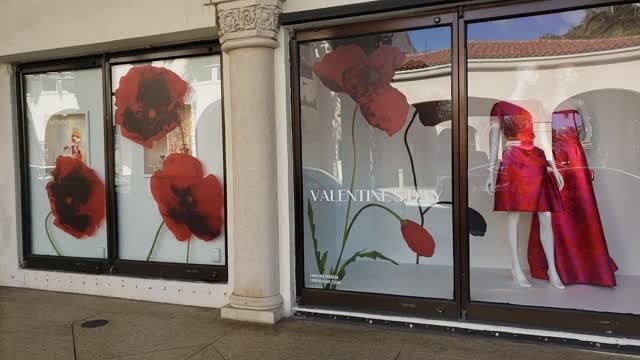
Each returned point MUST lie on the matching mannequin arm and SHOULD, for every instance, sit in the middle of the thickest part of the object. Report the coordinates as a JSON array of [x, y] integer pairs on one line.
[[494, 144], [586, 116]]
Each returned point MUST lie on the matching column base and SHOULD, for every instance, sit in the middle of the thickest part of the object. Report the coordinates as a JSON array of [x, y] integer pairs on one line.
[[271, 316]]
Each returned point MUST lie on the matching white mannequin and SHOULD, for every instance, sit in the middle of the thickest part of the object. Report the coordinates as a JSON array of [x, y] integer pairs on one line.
[[542, 130]]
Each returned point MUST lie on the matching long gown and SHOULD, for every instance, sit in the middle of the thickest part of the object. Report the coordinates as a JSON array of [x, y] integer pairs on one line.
[[581, 252]]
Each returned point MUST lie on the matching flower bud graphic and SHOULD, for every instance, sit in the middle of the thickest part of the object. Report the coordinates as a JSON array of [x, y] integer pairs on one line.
[[418, 238]]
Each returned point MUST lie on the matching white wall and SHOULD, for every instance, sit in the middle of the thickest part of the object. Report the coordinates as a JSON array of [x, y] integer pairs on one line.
[[33, 29]]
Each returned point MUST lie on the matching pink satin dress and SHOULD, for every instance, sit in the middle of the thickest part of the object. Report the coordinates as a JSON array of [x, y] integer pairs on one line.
[[581, 252], [523, 182]]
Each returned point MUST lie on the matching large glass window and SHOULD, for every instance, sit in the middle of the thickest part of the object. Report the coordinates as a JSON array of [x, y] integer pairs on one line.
[[553, 159], [375, 123], [66, 163], [169, 161], [142, 193]]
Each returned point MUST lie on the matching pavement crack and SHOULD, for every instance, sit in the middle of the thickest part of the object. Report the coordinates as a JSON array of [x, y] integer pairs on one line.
[[218, 351], [73, 340], [232, 329]]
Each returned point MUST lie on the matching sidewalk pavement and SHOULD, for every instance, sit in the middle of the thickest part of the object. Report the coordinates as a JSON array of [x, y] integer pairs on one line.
[[48, 325]]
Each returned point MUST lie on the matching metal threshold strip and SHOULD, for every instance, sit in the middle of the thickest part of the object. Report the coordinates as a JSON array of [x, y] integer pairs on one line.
[[596, 342]]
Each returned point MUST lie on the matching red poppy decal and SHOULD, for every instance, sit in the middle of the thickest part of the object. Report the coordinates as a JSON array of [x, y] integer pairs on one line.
[[418, 238], [189, 202], [149, 103], [77, 197], [367, 80]]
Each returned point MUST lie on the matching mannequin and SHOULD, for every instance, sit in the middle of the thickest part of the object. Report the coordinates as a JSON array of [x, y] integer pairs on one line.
[[528, 117], [581, 252]]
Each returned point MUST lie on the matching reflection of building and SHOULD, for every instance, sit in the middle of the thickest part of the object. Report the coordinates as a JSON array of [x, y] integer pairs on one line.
[[599, 71]]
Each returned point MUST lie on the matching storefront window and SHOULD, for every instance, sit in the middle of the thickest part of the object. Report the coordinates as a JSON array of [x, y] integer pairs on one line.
[[376, 163], [66, 164], [169, 161], [553, 159]]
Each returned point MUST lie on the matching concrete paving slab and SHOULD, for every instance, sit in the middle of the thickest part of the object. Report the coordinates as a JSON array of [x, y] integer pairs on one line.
[[133, 333], [246, 346], [173, 354], [51, 343]]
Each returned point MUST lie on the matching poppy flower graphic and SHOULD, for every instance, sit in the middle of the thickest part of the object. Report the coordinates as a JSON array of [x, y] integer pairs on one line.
[[77, 197], [189, 202], [366, 79], [149, 103], [418, 238]]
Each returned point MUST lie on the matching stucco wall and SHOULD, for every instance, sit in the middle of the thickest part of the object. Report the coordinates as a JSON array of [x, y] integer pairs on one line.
[[31, 29]]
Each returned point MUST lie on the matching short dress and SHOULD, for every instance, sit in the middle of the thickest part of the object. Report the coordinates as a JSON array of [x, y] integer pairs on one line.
[[523, 182]]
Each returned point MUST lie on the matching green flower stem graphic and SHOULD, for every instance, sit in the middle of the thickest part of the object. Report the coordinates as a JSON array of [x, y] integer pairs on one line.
[[46, 229], [155, 239], [353, 178], [339, 269], [370, 206]]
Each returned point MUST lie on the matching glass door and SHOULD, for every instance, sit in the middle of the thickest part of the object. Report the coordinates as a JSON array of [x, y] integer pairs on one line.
[[373, 139]]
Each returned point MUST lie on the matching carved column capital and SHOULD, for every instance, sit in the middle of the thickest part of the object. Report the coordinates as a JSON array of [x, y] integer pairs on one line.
[[9, 68], [248, 23]]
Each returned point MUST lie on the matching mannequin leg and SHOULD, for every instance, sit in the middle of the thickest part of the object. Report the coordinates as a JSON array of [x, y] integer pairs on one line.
[[546, 237], [512, 233]]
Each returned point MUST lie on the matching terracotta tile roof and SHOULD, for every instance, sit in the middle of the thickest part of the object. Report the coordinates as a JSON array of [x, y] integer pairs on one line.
[[519, 49]]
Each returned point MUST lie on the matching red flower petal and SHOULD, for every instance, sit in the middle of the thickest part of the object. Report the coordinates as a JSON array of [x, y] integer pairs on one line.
[[385, 60], [387, 111], [212, 210], [179, 164], [161, 190], [418, 238], [189, 204], [77, 197], [149, 103], [330, 70]]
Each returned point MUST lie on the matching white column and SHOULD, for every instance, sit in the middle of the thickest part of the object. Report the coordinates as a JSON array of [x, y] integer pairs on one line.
[[248, 30]]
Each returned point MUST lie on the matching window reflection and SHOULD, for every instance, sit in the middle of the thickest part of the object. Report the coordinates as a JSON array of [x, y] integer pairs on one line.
[[575, 74]]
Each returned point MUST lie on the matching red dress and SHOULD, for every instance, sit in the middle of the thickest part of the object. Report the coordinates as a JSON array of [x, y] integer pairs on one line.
[[523, 182], [581, 252]]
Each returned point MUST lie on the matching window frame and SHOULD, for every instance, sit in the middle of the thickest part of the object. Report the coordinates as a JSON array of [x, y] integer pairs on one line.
[[112, 264], [608, 324], [439, 308]]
